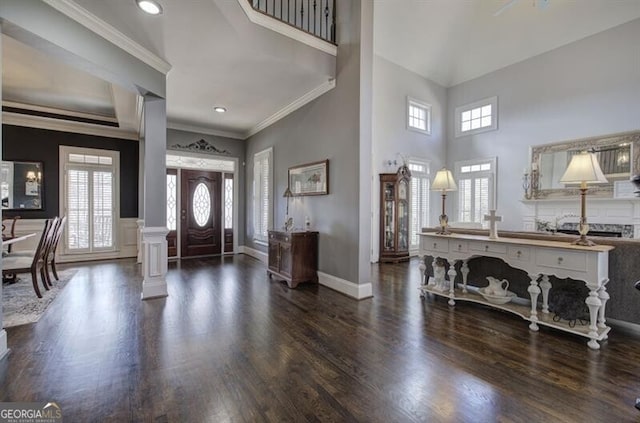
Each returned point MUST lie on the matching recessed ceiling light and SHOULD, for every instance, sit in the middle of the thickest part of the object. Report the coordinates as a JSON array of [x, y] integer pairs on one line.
[[150, 6], [219, 109]]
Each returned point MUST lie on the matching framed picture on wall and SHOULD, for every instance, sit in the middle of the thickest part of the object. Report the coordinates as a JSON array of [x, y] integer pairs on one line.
[[309, 179]]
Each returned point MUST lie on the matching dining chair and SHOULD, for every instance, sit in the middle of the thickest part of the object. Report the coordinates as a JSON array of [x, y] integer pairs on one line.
[[10, 229], [34, 263], [50, 258]]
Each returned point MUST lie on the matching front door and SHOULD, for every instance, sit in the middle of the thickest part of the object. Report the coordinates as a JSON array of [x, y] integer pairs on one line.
[[200, 213]]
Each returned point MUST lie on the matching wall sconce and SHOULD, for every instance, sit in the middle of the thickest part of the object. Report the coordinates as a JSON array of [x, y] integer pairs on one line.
[[583, 169], [31, 176], [444, 182]]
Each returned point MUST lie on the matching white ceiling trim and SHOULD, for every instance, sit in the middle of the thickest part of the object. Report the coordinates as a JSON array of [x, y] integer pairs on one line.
[[287, 30], [108, 32], [39, 122], [203, 130], [293, 106]]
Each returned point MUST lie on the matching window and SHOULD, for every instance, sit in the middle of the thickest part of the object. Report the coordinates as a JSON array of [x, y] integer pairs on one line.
[[90, 198], [418, 116], [228, 202], [480, 116], [476, 189], [262, 195], [419, 209]]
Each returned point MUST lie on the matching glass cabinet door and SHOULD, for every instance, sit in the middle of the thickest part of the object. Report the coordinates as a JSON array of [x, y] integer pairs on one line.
[[403, 216], [389, 215]]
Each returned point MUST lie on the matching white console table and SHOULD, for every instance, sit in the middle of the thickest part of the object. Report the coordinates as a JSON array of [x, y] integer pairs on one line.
[[537, 258]]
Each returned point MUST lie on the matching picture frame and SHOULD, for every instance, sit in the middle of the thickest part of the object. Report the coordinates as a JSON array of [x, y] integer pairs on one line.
[[309, 179]]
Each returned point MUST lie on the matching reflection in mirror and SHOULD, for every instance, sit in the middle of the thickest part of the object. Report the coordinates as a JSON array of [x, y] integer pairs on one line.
[[618, 156], [21, 185]]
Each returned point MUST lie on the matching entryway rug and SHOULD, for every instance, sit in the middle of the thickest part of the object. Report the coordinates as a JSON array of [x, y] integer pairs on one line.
[[21, 305]]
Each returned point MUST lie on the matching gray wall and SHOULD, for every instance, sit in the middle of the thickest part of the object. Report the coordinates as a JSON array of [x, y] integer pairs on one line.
[[583, 89], [327, 128], [236, 149], [391, 86]]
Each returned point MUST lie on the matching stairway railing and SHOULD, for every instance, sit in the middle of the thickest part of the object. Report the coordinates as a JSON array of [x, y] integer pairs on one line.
[[316, 17]]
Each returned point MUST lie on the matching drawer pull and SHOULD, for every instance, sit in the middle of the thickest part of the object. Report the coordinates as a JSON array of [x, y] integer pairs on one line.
[[435, 245], [286, 239], [486, 248], [560, 260], [459, 247], [519, 253]]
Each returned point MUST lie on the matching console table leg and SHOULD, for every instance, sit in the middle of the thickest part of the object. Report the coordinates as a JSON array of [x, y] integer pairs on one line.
[[545, 285], [604, 297], [423, 277], [465, 273], [452, 280], [534, 291], [594, 304]]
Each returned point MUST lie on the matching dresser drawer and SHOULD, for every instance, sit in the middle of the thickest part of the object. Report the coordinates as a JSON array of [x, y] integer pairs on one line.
[[562, 259], [459, 246], [279, 236], [488, 247], [433, 244], [519, 253]]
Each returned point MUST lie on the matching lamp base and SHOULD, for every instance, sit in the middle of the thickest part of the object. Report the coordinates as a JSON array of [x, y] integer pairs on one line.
[[444, 222], [583, 240], [443, 231]]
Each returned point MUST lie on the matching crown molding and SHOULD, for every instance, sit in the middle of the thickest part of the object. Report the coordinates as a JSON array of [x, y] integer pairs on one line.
[[287, 30], [204, 130], [293, 106], [110, 33], [39, 122]]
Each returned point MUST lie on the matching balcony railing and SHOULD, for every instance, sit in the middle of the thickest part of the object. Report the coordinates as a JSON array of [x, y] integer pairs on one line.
[[316, 17]]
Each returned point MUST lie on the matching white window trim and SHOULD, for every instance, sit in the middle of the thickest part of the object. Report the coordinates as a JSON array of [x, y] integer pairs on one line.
[[493, 101], [257, 238], [64, 152], [427, 107], [413, 250], [493, 178]]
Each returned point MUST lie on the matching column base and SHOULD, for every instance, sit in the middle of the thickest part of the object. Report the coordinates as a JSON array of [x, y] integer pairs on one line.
[[154, 262], [154, 289]]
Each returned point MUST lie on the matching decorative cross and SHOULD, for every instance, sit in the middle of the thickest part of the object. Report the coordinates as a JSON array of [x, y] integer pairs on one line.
[[492, 219]]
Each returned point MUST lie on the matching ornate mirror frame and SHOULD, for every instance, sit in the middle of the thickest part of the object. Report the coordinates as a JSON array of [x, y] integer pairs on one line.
[[599, 142]]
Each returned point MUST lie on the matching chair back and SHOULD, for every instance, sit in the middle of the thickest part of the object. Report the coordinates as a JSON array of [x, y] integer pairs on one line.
[[56, 238], [38, 254], [10, 228], [48, 242]]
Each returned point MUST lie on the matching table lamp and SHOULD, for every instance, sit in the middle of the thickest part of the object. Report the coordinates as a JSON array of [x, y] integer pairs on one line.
[[444, 182], [583, 169]]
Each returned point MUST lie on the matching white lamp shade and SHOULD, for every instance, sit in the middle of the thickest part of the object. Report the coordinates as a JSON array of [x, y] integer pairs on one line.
[[584, 167], [444, 181]]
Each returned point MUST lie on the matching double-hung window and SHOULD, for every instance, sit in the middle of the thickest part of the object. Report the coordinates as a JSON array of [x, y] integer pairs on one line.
[[90, 198], [476, 189], [262, 193], [476, 117], [419, 201], [418, 116]]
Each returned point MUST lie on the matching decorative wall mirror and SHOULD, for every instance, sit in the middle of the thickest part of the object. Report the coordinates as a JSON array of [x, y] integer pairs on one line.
[[21, 185], [618, 155]]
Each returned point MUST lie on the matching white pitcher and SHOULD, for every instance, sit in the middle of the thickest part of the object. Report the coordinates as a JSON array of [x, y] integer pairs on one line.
[[496, 287]]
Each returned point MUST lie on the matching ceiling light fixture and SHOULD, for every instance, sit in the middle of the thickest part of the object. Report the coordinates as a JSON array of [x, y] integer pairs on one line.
[[150, 6], [219, 109]]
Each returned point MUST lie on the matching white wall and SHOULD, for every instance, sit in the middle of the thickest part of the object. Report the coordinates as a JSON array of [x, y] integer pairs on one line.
[[587, 88], [391, 86]]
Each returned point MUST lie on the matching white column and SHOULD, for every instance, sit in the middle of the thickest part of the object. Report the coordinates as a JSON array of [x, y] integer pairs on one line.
[[3, 333], [154, 241], [154, 262], [140, 223]]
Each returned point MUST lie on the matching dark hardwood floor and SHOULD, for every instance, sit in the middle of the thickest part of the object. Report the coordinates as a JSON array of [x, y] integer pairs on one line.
[[229, 344]]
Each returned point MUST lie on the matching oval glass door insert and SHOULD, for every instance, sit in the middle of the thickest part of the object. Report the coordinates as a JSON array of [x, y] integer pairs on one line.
[[201, 204]]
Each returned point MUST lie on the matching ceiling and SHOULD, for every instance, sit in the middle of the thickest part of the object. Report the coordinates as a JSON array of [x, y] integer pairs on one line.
[[452, 41], [217, 56], [220, 58]]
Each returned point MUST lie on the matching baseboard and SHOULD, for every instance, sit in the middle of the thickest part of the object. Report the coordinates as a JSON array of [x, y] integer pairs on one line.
[[621, 324], [257, 254], [350, 289]]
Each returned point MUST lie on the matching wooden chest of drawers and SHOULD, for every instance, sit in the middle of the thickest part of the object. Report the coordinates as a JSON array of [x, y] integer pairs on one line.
[[293, 256]]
